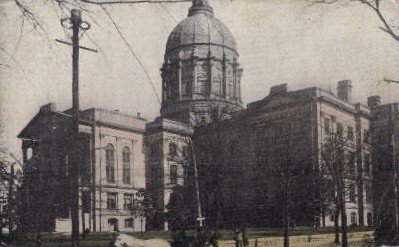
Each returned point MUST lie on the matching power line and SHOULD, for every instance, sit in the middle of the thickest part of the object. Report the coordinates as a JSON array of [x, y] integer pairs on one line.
[[133, 1], [132, 52], [168, 12]]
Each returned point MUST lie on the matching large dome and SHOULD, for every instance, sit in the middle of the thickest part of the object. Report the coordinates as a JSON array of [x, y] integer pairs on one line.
[[200, 27], [200, 70]]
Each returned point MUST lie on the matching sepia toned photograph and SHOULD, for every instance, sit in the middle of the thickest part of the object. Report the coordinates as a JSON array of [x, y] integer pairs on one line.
[[199, 123]]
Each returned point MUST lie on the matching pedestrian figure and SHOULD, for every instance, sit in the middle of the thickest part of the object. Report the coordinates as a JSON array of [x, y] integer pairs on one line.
[[239, 238], [245, 240], [38, 240], [85, 233]]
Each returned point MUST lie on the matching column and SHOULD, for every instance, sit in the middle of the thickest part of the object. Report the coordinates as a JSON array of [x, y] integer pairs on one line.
[[210, 77], [24, 153], [224, 76], [195, 72], [179, 78]]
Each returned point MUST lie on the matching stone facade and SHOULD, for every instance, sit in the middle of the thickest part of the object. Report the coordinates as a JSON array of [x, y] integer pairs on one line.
[[111, 173], [167, 147], [385, 136], [286, 123]]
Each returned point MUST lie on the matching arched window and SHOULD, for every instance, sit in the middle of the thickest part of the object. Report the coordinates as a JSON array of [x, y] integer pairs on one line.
[[353, 218], [113, 224], [370, 219], [110, 163], [126, 165], [129, 223]]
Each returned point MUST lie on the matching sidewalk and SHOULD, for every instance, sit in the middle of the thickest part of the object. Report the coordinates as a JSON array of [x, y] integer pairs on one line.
[[355, 239]]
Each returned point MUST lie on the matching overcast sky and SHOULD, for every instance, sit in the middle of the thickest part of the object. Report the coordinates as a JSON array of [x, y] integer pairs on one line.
[[279, 41]]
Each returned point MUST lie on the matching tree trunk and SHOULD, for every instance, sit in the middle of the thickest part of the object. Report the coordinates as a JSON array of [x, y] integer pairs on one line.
[[10, 207], [342, 205], [1, 226], [286, 219], [344, 226], [336, 227]]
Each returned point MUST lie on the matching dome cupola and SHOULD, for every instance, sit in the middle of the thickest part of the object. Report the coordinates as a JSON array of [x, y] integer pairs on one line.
[[200, 69]]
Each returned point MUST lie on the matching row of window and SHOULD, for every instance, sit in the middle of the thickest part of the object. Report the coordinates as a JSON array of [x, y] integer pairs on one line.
[[112, 201], [350, 163], [353, 218], [110, 164], [350, 133], [353, 193], [173, 150], [113, 223]]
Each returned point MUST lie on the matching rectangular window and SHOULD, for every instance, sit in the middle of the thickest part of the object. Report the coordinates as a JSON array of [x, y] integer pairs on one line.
[[352, 162], [367, 164], [86, 201], [109, 163], [350, 133], [327, 125], [366, 136], [185, 87], [340, 129], [368, 194], [126, 165], [217, 86], [128, 201], [112, 200], [229, 90], [352, 193], [126, 174], [173, 174]]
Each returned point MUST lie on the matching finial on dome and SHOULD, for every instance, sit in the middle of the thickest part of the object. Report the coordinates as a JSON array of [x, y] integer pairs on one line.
[[200, 3], [200, 6]]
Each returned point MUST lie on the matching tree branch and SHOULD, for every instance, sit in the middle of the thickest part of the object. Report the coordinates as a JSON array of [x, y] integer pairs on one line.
[[390, 80], [132, 1]]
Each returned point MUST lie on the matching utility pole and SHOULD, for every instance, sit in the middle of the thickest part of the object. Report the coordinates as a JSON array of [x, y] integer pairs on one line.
[[76, 21], [200, 218], [76, 24], [11, 200], [392, 129]]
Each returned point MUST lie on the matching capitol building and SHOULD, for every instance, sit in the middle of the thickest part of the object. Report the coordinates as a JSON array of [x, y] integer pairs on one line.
[[203, 123]]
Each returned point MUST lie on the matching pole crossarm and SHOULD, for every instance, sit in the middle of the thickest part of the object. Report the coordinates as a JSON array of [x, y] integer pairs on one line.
[[81, 47]]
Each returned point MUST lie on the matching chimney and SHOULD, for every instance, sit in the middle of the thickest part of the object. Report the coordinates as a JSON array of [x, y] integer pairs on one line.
[[344, 90], [374, 102], [50, 107], [278, 89]]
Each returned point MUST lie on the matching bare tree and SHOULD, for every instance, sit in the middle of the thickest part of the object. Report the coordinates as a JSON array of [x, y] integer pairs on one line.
[[294, 173], [339, 168], [376, 7]]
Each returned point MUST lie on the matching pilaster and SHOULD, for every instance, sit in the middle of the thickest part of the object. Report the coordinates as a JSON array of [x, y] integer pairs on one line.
[[224, 93], [179, 78]]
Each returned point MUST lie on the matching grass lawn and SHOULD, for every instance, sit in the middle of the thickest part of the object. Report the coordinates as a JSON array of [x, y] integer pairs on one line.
[[60, 240], [266, 237], [228, 234]]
